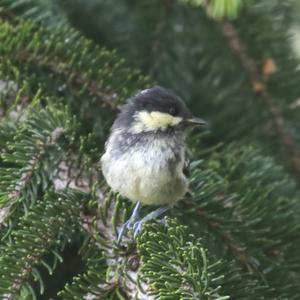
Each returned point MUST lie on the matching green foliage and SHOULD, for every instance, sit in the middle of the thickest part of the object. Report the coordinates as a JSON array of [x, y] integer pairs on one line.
[[47, 227], [46, 11], [184, 49], [93, 281], [35, 52], [235, 236], [31, 159], [257, 197], [178, 269], [30, 46], [219, 8]]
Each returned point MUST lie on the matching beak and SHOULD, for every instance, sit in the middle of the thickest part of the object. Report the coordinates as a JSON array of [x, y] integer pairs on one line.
[[196, 122]]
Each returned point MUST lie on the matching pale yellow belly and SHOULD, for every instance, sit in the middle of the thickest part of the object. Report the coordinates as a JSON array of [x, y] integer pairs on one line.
[[145, 181], [155, 190]]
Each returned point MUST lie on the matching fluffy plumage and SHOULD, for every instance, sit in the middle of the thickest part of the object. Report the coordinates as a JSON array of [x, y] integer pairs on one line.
[[144, 155]]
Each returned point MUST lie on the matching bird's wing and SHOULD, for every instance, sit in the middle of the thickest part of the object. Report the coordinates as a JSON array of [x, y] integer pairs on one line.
[[187, 161]]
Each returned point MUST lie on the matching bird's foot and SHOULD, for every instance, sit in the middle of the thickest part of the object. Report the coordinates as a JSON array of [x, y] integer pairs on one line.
[[133, 223], [138, 226], [129, 224]]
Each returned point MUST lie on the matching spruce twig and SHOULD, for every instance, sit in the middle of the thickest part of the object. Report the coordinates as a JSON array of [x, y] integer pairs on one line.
[[55, 214], [257, 81], [73, 77], [234, 247], [26, 176], [123, 267]]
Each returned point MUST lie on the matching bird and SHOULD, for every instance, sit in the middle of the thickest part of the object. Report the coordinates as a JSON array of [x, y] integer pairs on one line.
[[145, 153]]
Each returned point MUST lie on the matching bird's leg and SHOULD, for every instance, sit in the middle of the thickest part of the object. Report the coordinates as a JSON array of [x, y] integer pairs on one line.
[[130, 222], [137, 227]]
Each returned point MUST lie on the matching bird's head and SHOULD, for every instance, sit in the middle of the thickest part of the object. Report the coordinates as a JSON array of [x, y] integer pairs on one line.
[[155, 110]]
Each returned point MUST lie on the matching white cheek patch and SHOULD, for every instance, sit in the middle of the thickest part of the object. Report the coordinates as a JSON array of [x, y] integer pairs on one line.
[[153, 121]]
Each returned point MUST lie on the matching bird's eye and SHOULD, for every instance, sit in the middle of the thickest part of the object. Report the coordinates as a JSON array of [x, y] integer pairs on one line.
[[173, 111]]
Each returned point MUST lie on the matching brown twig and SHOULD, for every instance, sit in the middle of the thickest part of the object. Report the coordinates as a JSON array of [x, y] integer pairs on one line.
[[233, 246], [34, 162], [25, 178], [101, 229], [7, 16], [226, 238], [168, 5], [257, 81]]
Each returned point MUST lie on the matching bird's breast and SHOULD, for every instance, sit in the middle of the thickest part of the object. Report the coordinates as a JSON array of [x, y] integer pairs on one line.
[[151, 173]]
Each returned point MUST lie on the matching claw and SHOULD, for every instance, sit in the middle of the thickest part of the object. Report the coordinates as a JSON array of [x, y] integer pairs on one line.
[[137, 228], [136, 225], [125, 227], [130, 222]]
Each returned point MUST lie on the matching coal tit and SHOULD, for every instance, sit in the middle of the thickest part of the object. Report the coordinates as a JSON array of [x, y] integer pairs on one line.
[[145, 153]]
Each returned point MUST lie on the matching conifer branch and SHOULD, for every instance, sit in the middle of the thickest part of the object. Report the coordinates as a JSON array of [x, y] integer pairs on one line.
[[7, 16], [29, 172], [103, 230], [33, 155], [99, 64], [259, 86], [102, 227], [4, 213], [8, 92], [73, 78], [72, 174], [34, 163], [160, 26], [55, 217], [233, 246], [229, 242], [168, 5]]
